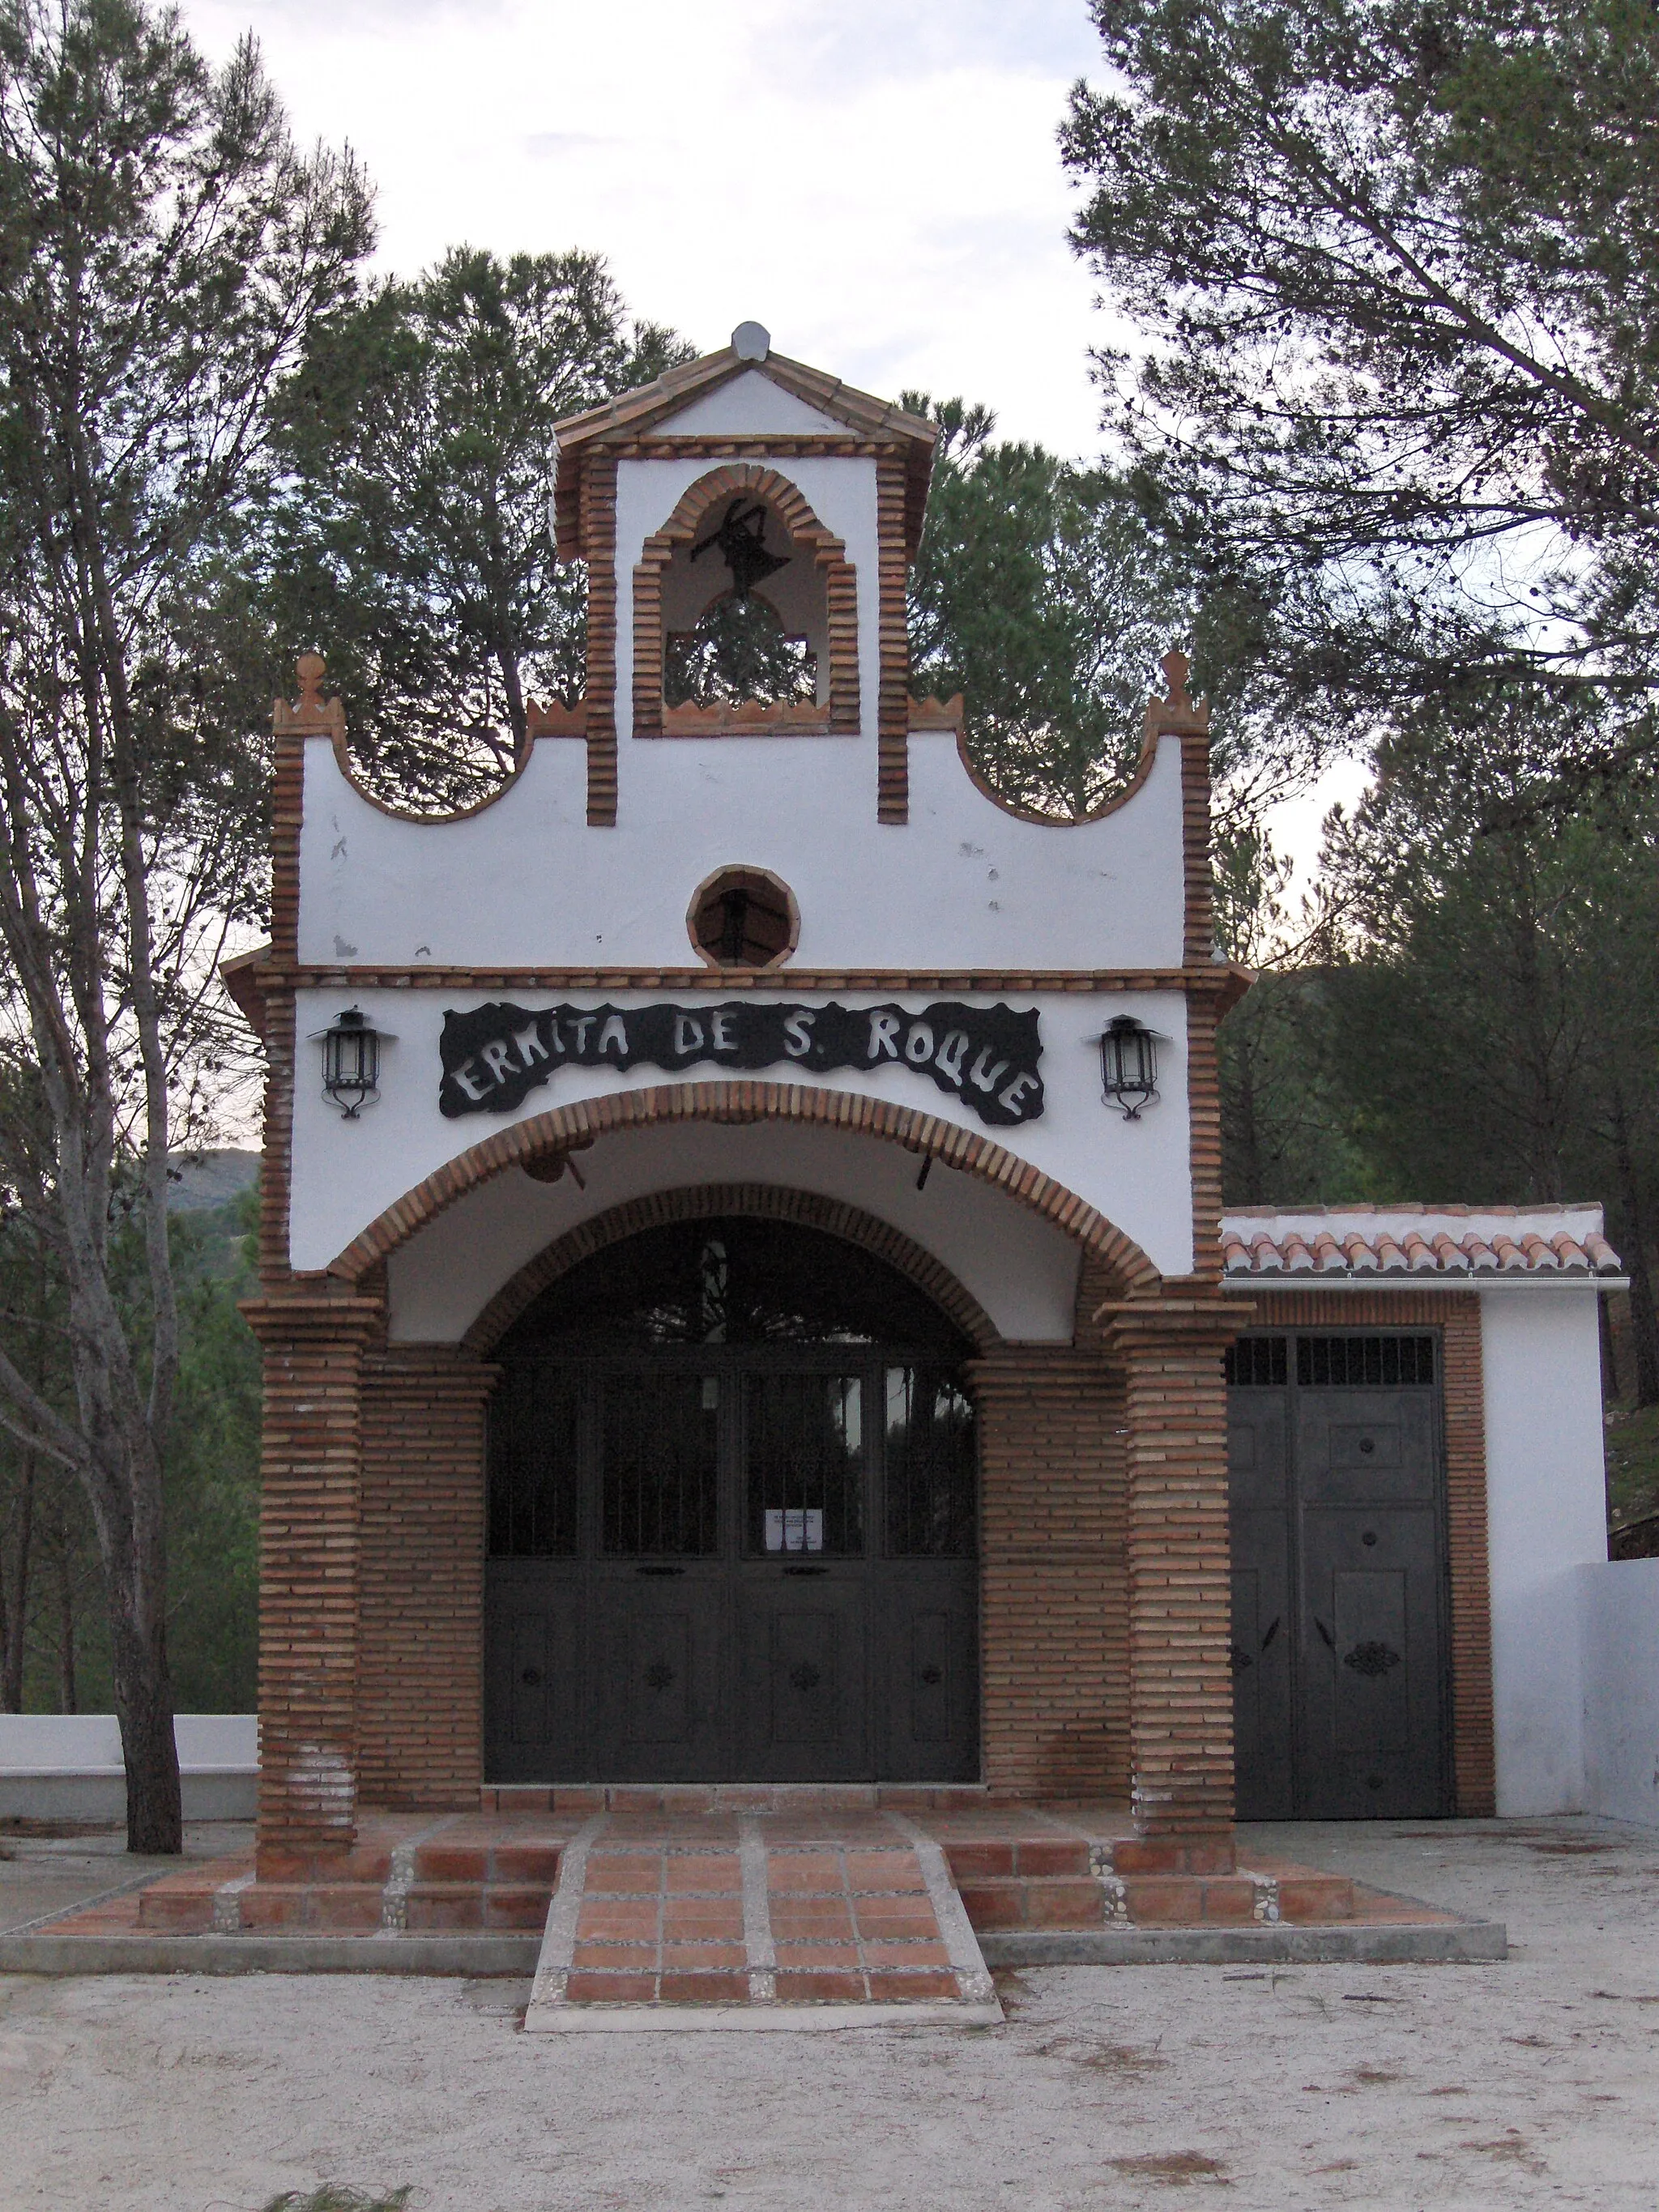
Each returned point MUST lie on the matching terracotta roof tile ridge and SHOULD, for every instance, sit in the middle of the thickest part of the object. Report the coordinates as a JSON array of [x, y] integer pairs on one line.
[[1264, 1241]]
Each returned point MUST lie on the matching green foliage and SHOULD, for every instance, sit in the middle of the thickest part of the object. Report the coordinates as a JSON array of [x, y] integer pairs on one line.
[[1632, 1464], [412, 541], [212, 1482], [1040, 593], [334, 2197], [738, 650], [1398, 271]]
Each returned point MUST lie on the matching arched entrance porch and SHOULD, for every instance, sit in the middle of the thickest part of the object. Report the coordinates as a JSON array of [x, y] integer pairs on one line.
[[1103, 1566]]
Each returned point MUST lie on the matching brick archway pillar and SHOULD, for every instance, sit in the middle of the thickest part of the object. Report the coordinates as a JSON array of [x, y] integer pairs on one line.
[[1180, 1691], [311, 1478]]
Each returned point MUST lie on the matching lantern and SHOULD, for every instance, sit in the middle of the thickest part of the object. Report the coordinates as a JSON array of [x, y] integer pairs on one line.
[[1129, 1065], [351, 1060]]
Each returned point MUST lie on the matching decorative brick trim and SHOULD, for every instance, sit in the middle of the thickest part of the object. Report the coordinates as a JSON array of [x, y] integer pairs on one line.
[[1180, 1565], [1178, 717], [276, 1154], [1225, 985], [1204, 1126], [635, 416], [598, 546], [841, 593], [893, 624], [1054, 1592], [420, 1667], [744, 445], [1456, 1315], [760, 1201], [741, 1101], [311, 1468]]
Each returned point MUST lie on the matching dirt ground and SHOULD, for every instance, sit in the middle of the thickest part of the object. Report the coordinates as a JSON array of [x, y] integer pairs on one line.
[[1536, 2083]]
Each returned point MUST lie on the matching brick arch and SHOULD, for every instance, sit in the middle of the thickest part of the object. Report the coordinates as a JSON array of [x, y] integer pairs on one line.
[[753, 1201], [563, 1127], [840, 584]]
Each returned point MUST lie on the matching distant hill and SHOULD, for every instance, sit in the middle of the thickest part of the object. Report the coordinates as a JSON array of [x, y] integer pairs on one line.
[[205, 1180]]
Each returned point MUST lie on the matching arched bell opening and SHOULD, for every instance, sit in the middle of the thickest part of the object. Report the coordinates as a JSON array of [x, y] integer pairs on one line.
[[733, 1517]]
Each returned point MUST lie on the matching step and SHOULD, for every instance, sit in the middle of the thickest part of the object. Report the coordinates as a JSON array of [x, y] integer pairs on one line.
[[517, 1860], [1032, 1901], [1027, 1856]]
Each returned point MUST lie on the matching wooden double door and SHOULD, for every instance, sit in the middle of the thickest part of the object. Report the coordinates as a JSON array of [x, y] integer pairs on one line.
[[1340, 1644], [732, 1562]]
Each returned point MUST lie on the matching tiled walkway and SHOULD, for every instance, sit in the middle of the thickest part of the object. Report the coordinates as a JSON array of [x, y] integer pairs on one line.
[[734, 1921]]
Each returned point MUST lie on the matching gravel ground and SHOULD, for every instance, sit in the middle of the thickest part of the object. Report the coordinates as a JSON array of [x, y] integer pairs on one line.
[[1536, 2083]]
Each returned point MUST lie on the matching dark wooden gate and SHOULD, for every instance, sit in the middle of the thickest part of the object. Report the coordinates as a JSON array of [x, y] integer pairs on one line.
[[1341, 1680], [733, 1517]]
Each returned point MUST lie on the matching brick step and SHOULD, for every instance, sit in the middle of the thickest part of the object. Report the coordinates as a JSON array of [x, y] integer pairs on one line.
[[176, 1907], [1302, 1896], [516, 1860], [1033, 1901], [1026, 1856], [1183, 1900]]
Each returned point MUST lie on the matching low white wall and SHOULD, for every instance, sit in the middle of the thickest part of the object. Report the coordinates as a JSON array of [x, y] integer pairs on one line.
[[67, 1766], [1546, 1519], [1619, 1621]]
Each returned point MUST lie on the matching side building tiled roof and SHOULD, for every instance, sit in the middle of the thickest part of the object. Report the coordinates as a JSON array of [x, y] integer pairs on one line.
[[1265, 1242]]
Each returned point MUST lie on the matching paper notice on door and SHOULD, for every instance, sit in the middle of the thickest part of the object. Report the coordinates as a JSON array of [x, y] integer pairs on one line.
[[789, 1528]]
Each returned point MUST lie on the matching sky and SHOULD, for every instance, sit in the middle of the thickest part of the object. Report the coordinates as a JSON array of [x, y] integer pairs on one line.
[[877, 181]]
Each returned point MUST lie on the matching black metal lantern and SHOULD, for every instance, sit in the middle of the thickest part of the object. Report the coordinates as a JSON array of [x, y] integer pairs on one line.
[[1129, 1065], [351, 1060]]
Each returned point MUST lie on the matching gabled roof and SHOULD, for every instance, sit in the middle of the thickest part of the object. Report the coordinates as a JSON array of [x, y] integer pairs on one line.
[[1303, 1246], [647, 413]]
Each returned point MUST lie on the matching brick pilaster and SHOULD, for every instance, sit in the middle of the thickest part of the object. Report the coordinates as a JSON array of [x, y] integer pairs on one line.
[[1179, 1575], [311, 1466], [893, 691], [1054, 1708], [420, 1672]]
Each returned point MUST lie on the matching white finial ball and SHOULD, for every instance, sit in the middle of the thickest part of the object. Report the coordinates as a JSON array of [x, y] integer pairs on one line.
[[752, 341]]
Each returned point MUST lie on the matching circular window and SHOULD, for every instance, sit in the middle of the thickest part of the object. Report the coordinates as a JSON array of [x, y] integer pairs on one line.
[[743, 918]]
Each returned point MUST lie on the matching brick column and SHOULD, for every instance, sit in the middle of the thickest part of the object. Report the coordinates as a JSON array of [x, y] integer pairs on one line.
[[1054, 1666], [420, 1667], [1180, 1691], [311, 1473]]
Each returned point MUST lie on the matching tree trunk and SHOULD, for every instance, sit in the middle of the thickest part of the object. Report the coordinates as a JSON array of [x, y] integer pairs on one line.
[[144, 1702], [133, 1554]]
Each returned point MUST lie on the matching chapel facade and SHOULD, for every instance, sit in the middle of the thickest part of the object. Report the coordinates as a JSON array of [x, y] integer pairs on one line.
[[743, 1299]]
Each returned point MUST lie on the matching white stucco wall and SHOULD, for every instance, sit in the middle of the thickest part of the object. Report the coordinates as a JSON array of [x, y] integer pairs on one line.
[[526, 882], [1546, 1519], [1021, 1269], [1619, 1614], [346, 1173]]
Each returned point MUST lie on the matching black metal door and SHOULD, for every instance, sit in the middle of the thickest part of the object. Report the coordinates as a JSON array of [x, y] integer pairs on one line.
[[1338, 1537], [730, 1561], [1258, 1460]]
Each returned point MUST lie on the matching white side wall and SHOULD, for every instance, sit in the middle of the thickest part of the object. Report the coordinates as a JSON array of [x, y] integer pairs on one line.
[[1618, 1611], [67, 1766], [1546, 1512]]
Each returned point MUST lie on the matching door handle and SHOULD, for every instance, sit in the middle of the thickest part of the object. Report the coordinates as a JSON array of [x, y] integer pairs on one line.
[[659, 1571], [806, 1571]]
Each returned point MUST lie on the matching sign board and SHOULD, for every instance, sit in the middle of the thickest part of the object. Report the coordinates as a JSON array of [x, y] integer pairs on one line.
[[494, 1056]]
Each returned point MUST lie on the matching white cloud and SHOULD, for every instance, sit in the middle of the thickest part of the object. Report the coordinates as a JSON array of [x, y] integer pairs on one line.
[[879, 184]]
